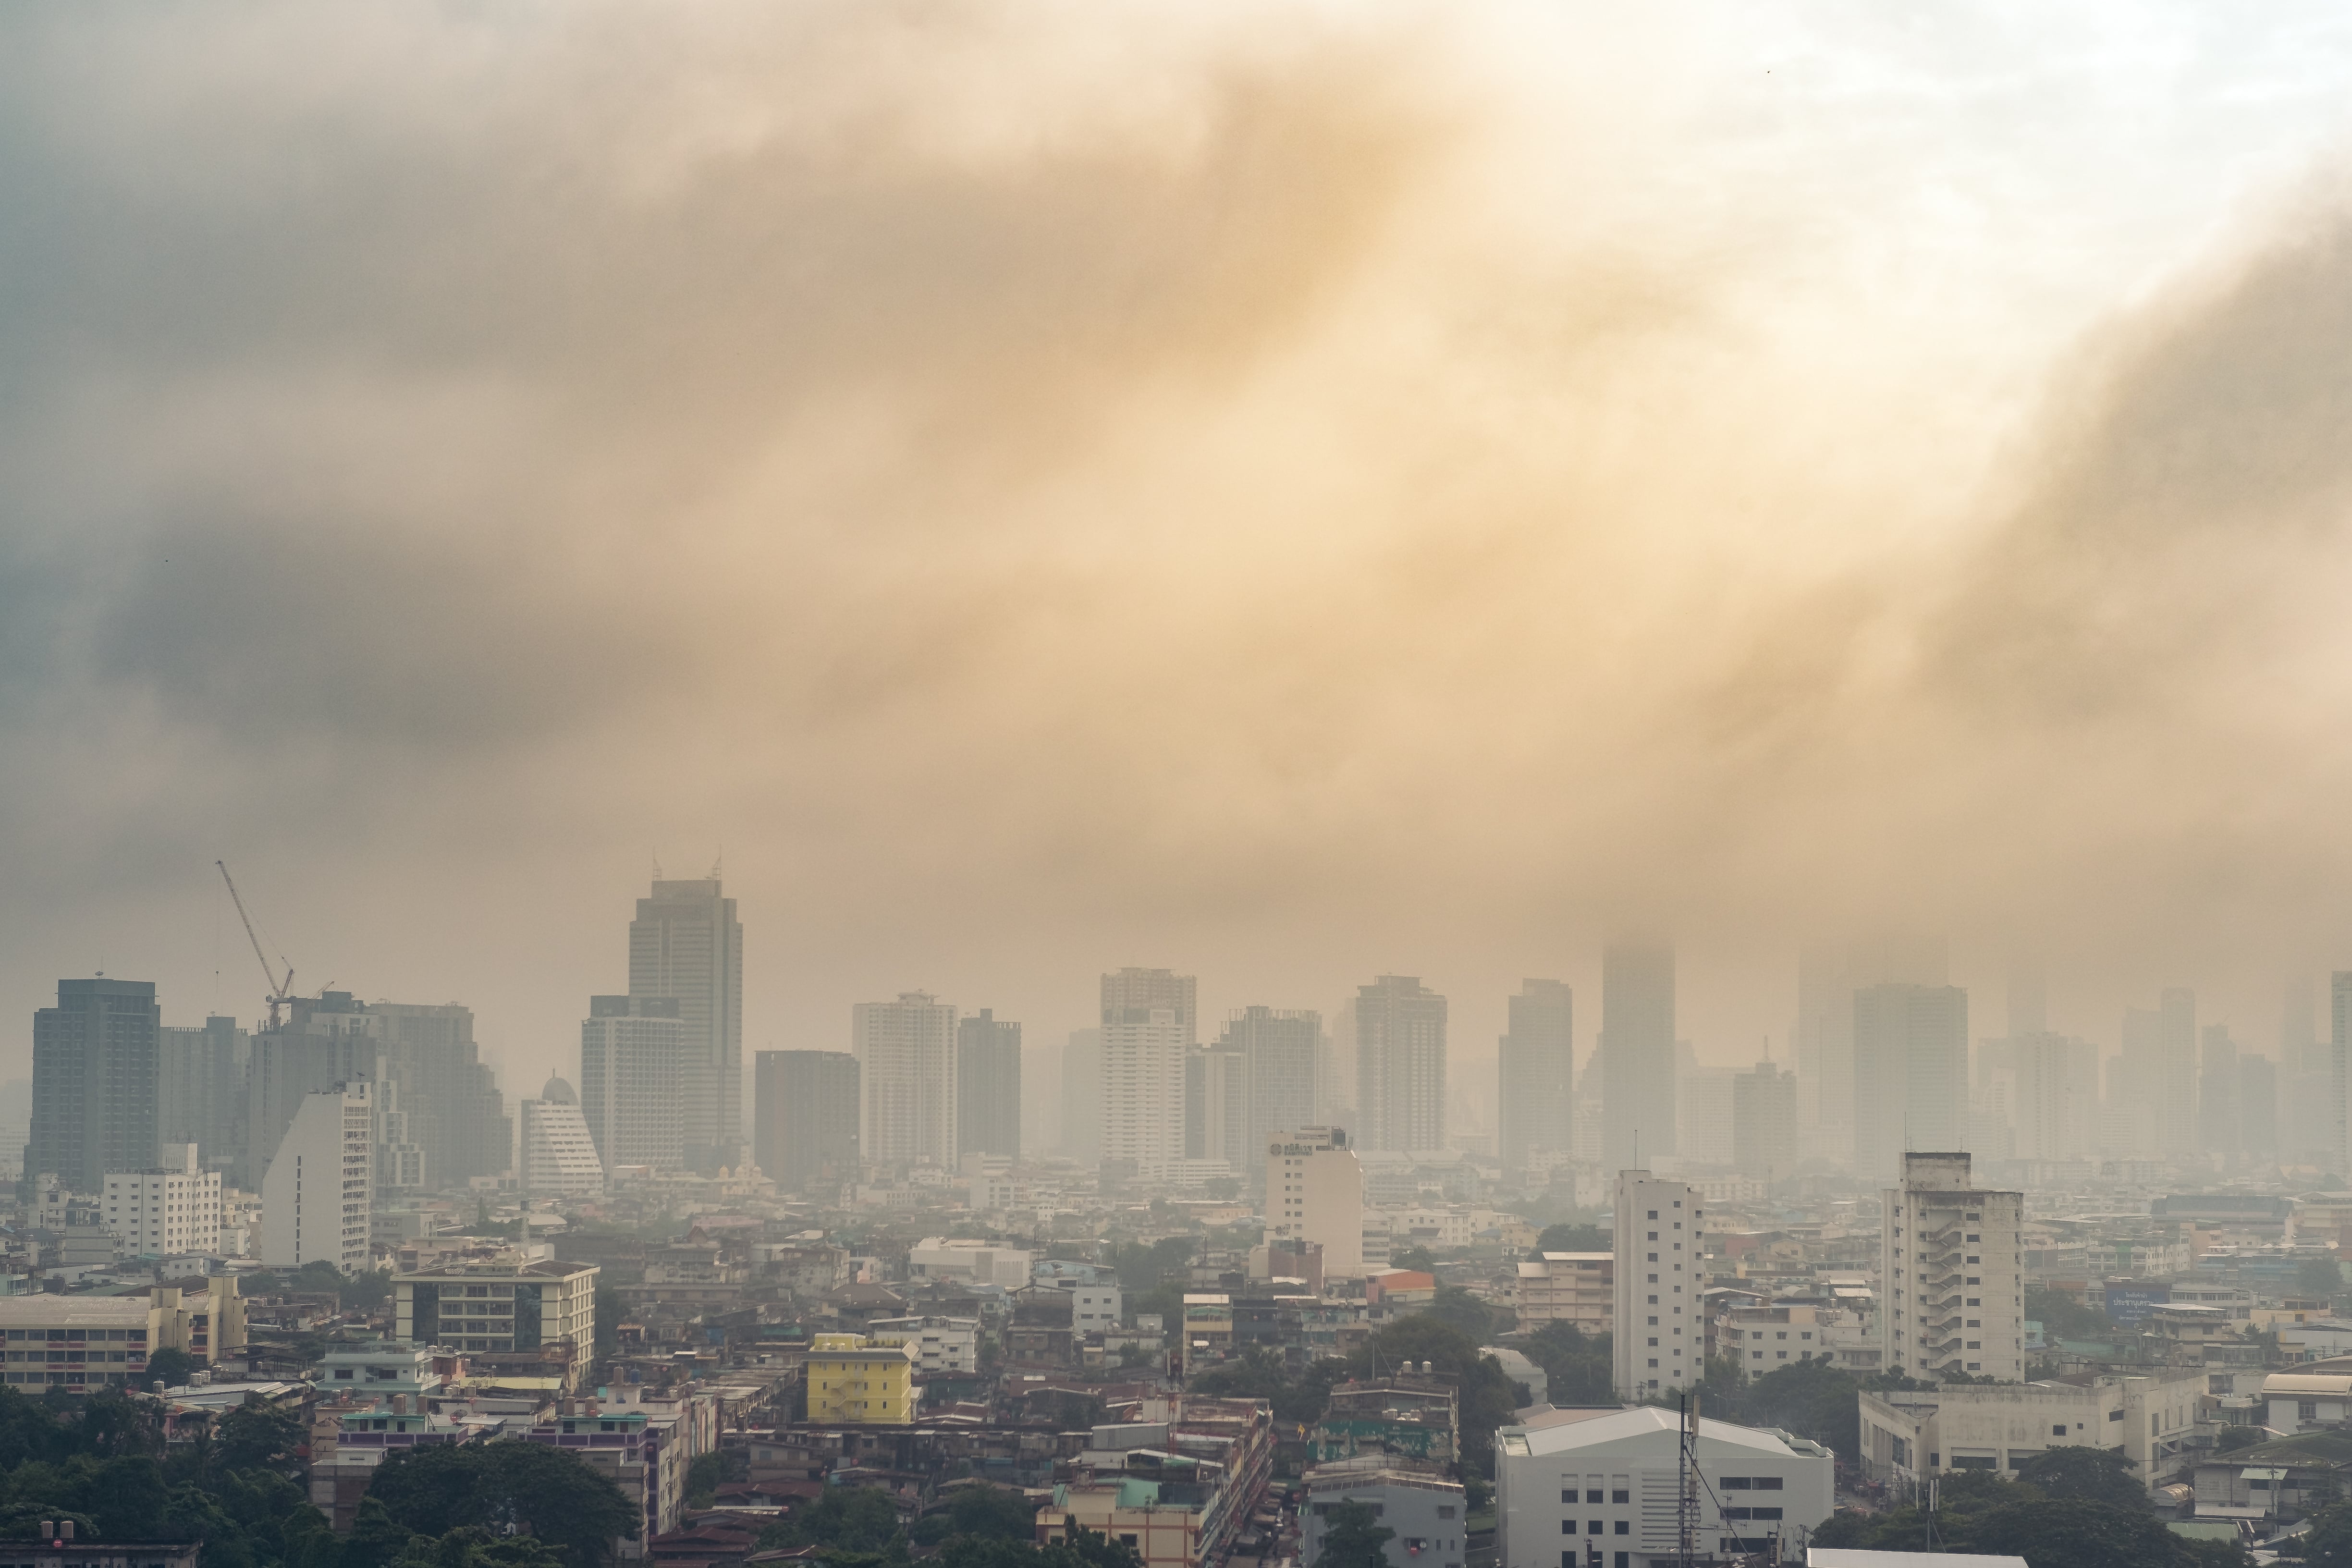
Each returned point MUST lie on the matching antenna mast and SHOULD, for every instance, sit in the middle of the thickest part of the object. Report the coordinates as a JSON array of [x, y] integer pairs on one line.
[[280, 990], [1686, 1484]]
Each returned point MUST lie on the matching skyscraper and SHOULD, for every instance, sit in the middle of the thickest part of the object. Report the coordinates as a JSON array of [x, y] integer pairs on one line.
[[988, 1086], [1143, 1054], [201, 1098], [322, 1042], [2219, 1122], [632, 1056], [2177, 1070], [1535, 1070], [805, 1118], [1637, 1052], [1284, 1052], [448, 1096], [1400, 1065], [686, 943], [95, 1074], [1315, 1193], [1082, 1101], [1910, 1074], [2258, 1106], [1764, 1122], [1135, 994], [1217, 1105], [906, 1070], [2339, 1055], [553, 1151]]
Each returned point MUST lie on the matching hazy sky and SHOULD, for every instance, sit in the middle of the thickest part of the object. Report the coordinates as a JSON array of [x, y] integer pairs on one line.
[[1289, 491]]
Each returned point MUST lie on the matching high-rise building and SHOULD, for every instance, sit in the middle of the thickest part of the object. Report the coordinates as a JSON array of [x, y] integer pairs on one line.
[[1703, 1115], [2339, 1057], [1283, 1052], [200, 1095], [1661, 1327], [1637, 1053], [1910, 1074], [632, 1056], [1144, 1090], [2219, 1122], [686, 943], [1823, 1040], [1082, 1094], [553, 1151], [1400, 1065], [1315, 1192], [168, 1210], [1535, 1073], [2177, 1072], [1764, 1122], [805, 1118], [324, 1040], [2258, 1106], [988, 1086], [907, 1071], [95, 1062], [1135, 994], [2052, 1093], [449, 1097], [321, 1185], [1217, 1105], [1952, 1273]]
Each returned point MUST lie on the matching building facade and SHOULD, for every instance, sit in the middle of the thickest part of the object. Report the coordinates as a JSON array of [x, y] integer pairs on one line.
[[1400, 1065], [96, 1060], [1577, 1287], [1636, 1054], [805, 1117], [1659, 1334], [1910, 1074], [554, 1152], [81, 1345], [907, 1073], [1282, 1052], [1143, 1062], [201, 1098], [988, 1086], [1535, 1070], [164, 1211], [1314, 1195], [1952, 1265], [500, 1308], [686, 944], [1764, 1123], [853, 1382], [634, 1060], [317, 1192]]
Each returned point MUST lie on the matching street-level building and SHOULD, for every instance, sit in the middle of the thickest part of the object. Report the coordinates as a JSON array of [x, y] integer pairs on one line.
[[1909, 1435], [543, 1311], [1413, 1500], [1570, 1482], [79, 1344], [940, 1344], [1577, 1287], [854, 1382]]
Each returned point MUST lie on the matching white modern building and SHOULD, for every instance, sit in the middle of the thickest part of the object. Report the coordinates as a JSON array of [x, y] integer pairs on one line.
[[1095, 1308], [633, 1056], [1660, 1324], [1570, 1482], [170, 1210], [554, 1150], [939, 1344], [1413, 1500], [321, 1185], [1910, 1435], [1952, 1268], [1315, 1192], [1144, 1090], [686, 944], [906, 1054], [980, 1262]]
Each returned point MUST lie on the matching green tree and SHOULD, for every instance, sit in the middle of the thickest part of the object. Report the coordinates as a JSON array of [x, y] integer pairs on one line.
[[2232, 1438], [376, 1538], [994, 1511], [1352, 1538], [256, 1433], [2086, 1474], [2328, 1542], [2320, 1276], [2076, 1532], [1573, 1238], [1417, 1257], [170, 1368], [2063, 1318], [851, 1519], [131, 1498], [551, 1493], [1454, 1305]]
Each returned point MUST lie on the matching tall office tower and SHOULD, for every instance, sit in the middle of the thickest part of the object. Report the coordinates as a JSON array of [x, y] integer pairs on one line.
[[95, 1057], [1082, 1094], [2134, 1088], [1910, 1074], [988, 1086], [1824, 1051], [1400, 1065], [201, 1093], [1335, 1071], [1217, 1106], [1138, 993], [632, 1053], [1315, 1192], [320, 1186], [1637, 1054], [2029, 999], [447, 1094], [686, 943], [1144, 1090], [1283, 1053], [2218, 1117], [1952, 1271], [2054, 1094], [2339, 1059], [554, 1153], [172, 1209], [907, 1071], [324, 1041], [1764, 1122], [805, 1118], [2176, 1068], [2258, 1108], [1535, 1073], [1660, 1326], [2307, 1078], [1703, 1115]]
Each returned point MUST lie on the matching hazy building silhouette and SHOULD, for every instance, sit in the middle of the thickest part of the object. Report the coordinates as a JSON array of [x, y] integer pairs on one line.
[[907, 1072], [1637, 1054], [1283, 1055], [1534, 1074], [1082, 1103], [988, 1086], [1764, 1122], [95, 1062], [1910, 1072], [632, 1056], [2220, 1125], [2258, 1106], [2175, 1101], [686, 944], [1133, 995], [1217, 1105], [1823, 1040], [805, 1117], [2339, 1057], [447, 1095], [1400, 1065], [201, 1093], [320, 1043]]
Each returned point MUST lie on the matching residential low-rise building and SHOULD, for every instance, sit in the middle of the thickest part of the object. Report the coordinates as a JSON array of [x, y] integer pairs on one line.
[[1177, 1487], [855, 1382], [79, 1344], [1409, 1416], [1577, 1287], [1906, 1435], [1415, 1501], [980, 1262], [172, 1210], [940, 1344], [503, 1306]]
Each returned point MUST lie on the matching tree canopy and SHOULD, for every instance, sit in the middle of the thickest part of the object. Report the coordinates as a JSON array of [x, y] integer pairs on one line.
[[575, 1510], [1352, 1538]]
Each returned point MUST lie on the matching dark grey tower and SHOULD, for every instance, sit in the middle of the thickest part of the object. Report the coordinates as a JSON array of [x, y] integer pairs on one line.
[[805, 1117], [1400, 1065], [686, 943], [988, 1086], [95, 1074], [1536, 1069]]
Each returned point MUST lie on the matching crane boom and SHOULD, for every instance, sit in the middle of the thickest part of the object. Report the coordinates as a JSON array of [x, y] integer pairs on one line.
[[279, 990]]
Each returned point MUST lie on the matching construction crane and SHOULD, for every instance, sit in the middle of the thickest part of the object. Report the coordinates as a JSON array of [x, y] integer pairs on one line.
[[280, 990]]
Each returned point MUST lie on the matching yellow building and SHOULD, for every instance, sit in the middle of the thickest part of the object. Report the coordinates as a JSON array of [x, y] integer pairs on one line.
[[853, 1383]]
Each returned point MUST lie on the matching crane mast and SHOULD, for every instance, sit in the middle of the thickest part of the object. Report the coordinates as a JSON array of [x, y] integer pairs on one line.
[[280, 990]]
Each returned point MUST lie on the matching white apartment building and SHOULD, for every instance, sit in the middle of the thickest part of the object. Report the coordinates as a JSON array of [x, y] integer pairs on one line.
[[1315, 1192], [982, 1263], [1659, 1334], [634, 1063], [1579, 1288], [1144, 1090], [1095, 1308], [321, 1185], [906, 1053], [1952, 1269], [1572, 1482], [554, 1152], [169, 1210], [939, 1344]]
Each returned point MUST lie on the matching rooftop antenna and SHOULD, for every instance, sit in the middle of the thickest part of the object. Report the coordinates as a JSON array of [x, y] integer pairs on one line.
[[658, 876], [715, 861]]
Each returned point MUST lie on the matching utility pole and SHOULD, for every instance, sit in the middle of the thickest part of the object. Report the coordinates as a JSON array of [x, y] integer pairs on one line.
[[1686, 1484]]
